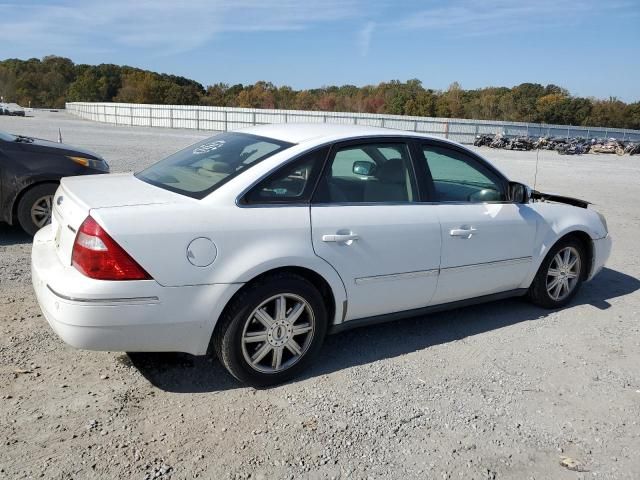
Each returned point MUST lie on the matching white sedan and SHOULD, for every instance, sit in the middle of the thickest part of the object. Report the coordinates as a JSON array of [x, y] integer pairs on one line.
[[255, 244]]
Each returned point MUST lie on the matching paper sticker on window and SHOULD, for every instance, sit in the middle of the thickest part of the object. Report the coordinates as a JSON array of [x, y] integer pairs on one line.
[[208, 147]]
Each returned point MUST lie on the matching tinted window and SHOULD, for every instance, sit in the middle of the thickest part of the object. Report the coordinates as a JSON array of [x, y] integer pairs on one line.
[[460, 178], [368, 173], [292, 183], [199, 169]]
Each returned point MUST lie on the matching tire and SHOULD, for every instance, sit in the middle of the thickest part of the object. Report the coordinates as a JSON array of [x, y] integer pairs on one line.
[[248, 348], [543, 292], [35, 207]]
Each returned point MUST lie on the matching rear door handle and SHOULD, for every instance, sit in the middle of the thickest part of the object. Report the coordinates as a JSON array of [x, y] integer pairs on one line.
[[463, 232], [347, 237]]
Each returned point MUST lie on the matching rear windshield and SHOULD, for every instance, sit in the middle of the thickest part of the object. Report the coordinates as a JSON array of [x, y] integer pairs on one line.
[[199, 169]]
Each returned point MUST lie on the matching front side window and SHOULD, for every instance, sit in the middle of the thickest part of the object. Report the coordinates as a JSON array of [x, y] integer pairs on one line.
[[199, 169], [369, 173], [457, 177], [292, 183]]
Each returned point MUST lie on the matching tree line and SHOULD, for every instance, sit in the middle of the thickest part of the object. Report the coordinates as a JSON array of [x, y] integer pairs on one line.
[[52, 81]]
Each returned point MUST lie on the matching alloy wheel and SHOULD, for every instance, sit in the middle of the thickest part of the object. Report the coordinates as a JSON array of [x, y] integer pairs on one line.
[[563, 274], [41, 211], [278, 333]]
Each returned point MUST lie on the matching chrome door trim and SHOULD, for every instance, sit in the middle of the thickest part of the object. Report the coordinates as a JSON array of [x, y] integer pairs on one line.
[[497, 263], [397, 276]]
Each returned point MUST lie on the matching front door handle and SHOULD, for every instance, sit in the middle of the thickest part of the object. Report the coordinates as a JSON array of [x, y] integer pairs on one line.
[[463, 232], [347, 237]]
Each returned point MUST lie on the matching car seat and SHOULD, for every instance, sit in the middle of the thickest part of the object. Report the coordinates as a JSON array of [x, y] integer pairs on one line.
[[391, 183]]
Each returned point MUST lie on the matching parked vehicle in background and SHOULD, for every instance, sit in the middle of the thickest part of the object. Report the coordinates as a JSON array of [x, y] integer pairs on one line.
[[499, 141], [519, 143], [632, 148], [254, 244], [610, 145], [574, 146], [563, 145], [12, 109], [30, 171], [483, 140]]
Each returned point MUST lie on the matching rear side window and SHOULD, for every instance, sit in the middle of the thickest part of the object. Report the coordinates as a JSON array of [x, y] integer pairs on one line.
[[368, 173], [292, 183], [199, 169]]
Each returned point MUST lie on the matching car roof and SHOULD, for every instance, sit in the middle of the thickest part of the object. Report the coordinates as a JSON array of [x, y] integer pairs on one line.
[[321, 133], [304, 132]]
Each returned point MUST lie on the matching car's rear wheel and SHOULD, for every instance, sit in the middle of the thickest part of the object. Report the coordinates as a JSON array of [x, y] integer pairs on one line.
[[36, 207], [272, 330], [560, 275]]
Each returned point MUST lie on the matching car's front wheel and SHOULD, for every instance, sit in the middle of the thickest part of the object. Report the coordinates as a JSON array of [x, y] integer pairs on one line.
[[560, 275], [272, 330], [36, 207]]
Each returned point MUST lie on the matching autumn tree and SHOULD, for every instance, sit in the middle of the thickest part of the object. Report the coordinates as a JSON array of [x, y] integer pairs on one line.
[[52, 81]]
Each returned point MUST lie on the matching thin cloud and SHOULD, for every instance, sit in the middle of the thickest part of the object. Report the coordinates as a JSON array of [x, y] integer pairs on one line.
[[159, 25], [486, 17], [364, 38]]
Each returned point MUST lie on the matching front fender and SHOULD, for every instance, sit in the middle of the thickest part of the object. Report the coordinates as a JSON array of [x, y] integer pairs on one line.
[[18, 187], [555, 222]]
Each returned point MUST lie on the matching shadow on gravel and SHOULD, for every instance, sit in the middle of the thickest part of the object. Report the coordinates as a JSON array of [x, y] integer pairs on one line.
[[182, 373], [12, 235]]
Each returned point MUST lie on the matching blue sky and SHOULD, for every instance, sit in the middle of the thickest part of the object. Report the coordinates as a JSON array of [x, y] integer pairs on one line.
[[591, 47]]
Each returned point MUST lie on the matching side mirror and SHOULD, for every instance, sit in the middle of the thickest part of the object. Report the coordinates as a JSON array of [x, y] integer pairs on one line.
[[364, 168], [519, 193]]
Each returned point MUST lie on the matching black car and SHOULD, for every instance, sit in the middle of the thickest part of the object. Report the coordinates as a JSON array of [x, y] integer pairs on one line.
[[12, 109], [30, 170]]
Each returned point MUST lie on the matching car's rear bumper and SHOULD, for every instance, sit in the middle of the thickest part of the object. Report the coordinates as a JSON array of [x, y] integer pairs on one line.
[[601, 252], [130, 316]]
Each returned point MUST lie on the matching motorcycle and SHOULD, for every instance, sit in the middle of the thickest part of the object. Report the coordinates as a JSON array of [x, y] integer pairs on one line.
[[632, 148], [519, 143], [482, 140], [607, 147]]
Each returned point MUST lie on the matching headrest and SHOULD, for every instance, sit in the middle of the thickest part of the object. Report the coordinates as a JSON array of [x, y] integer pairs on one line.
[[392, 171], [215, 166]]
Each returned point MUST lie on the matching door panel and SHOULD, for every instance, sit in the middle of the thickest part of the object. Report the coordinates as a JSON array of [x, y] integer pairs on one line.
[[392, 265], [486, 248], [487, 242], [366, 222]]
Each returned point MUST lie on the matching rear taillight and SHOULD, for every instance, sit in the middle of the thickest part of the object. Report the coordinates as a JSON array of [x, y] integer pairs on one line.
[[97, 255]]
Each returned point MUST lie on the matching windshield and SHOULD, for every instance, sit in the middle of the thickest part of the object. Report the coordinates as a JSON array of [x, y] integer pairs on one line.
[[7, 137], [199, 169]]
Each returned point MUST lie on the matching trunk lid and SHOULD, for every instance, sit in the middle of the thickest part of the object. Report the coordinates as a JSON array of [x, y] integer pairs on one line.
[[77, 196]]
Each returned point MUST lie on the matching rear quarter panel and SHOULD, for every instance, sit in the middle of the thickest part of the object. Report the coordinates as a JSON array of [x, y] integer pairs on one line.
[[249, 242]]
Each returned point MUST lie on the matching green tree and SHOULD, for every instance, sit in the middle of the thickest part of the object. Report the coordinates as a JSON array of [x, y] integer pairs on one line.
[[7, 84], [88, 87], [632, 116], [53, 80]]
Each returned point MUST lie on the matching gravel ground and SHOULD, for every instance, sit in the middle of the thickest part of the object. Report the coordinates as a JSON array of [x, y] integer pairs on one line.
[[502, 390]]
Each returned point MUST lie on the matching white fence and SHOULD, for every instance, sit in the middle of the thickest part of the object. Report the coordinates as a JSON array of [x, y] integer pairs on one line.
[[228, 118]]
